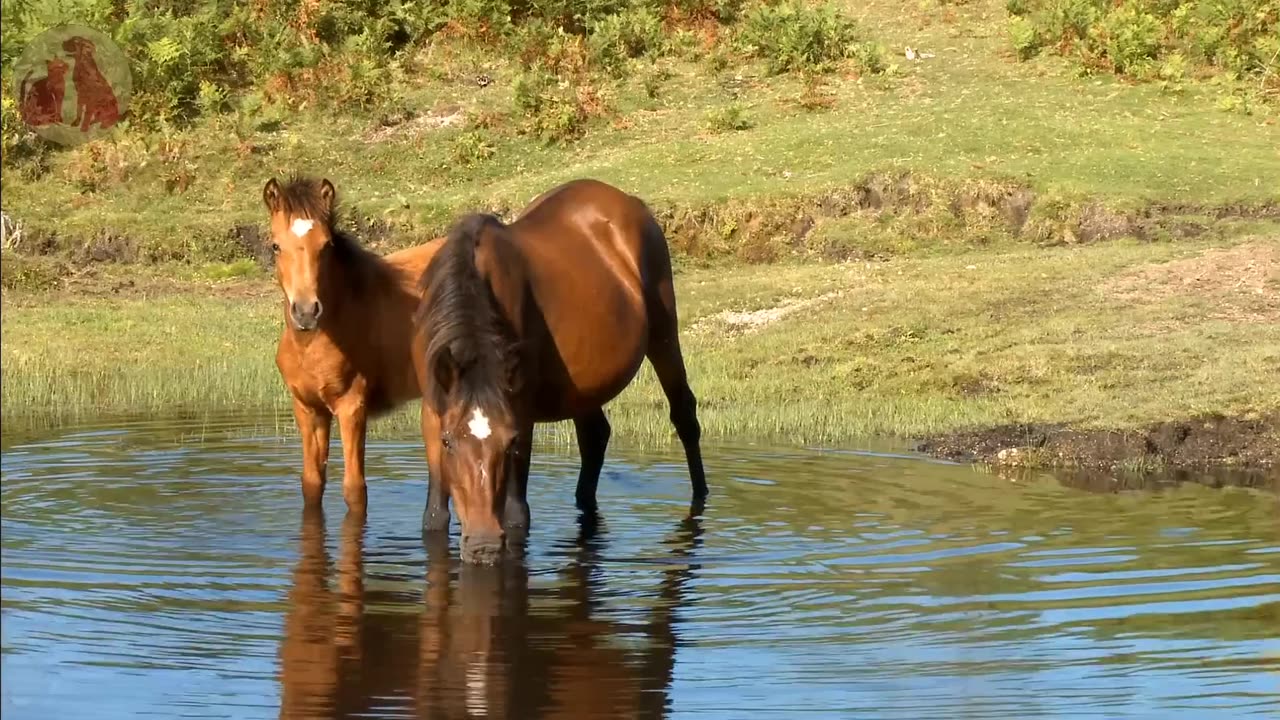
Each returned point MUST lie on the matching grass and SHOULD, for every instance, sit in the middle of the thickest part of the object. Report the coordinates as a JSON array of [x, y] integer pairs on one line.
[[800, 353], [971, 113]]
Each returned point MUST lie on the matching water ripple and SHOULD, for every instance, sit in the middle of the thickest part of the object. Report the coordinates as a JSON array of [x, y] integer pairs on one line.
[[163, 570]]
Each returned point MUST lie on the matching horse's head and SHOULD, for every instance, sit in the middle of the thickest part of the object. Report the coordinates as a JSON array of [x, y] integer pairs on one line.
[[79, 47], [477, 437], [471, 381], [302, 237]]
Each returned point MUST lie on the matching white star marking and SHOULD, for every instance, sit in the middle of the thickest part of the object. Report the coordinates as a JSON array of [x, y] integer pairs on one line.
[[479, 424]]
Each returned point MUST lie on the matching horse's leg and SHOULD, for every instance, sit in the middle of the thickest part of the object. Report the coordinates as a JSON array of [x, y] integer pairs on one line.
[[353, 422], [593, 438], [516, 514], [313, 426], [435, 517], [668, 363]]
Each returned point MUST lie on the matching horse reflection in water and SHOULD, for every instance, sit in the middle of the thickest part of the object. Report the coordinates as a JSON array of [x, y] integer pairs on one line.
[[482, 643]]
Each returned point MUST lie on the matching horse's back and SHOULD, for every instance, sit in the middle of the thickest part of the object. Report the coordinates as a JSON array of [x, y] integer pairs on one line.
[[584, 246], [411, 262]]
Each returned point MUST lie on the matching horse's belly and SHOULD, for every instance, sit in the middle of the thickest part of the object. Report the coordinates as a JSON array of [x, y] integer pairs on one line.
[[587, 370]]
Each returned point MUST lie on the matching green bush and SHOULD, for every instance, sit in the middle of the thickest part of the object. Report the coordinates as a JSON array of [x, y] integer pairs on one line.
[[200, 58], [1130, 37], [629, 34], [1154, 38], [792, 36], [729, 119]]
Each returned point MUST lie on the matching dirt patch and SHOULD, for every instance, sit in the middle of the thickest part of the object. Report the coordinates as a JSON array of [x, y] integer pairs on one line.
[[1201, 442], [416, 126], [105, 281], [1242, 281], [734, 323]]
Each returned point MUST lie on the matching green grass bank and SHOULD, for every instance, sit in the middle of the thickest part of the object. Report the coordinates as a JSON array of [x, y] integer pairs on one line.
[[1118, 335], [982, 224]]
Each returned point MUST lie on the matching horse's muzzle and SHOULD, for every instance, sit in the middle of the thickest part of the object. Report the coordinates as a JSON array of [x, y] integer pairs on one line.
[[306, 315], [482, 549]]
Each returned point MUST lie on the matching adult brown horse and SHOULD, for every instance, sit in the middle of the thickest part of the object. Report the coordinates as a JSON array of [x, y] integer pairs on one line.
[[348, 325], [545, 319]]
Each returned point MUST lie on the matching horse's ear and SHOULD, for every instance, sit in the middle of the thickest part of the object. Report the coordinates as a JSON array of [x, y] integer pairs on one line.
[[271, 195], [327, 193]]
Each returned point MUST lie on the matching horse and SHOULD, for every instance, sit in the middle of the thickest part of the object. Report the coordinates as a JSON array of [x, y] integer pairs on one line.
[[545, 319], [348, 317]]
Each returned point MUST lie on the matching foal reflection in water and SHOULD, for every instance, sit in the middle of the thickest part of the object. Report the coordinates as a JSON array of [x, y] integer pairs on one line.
[[485, 644], [546, 319]]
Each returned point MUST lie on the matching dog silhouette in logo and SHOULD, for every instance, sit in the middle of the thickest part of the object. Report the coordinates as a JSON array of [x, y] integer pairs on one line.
[[42, 103], [95, 100]]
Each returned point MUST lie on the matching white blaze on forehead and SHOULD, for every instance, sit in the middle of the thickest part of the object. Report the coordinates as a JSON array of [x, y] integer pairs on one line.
[[301, 226], [479, 424]]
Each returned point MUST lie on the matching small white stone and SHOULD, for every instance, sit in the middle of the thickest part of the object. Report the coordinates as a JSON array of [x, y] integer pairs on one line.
[[479, 424], [301, 226]]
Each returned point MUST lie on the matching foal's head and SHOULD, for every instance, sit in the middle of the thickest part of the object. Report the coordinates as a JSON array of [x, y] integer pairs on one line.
[[471, 373], [303, 241]]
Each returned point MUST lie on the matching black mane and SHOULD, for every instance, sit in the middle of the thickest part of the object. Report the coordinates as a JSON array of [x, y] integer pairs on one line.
[[459, 316]]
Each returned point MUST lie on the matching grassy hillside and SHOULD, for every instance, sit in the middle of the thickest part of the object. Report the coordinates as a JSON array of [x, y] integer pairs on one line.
[[732, 140]]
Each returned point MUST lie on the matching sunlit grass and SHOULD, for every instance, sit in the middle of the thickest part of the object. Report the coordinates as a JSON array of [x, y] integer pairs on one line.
[[905, 348], [969, 112]]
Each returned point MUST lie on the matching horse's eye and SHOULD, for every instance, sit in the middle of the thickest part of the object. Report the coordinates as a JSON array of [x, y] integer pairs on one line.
[[447, 441], [275, 247]]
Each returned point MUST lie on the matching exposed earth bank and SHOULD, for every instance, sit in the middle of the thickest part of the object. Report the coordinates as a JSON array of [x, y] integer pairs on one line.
[[1210, 442]]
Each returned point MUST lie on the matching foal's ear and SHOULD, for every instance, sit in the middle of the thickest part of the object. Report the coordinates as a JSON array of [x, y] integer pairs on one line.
[[327, 193], [271, 195]]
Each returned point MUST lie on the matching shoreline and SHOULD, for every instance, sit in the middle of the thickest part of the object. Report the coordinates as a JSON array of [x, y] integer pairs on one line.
[[1120, 357]]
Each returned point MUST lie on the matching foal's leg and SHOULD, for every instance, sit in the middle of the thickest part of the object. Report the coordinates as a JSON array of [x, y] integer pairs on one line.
[[313, 426], [435, 517], [352, 421], [516, 513], [593, 438]]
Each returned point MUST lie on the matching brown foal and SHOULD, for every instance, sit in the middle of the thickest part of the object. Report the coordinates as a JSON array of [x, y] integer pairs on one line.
[[348, 325]]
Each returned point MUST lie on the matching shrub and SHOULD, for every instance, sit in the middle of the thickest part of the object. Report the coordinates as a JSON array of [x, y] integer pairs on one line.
[[1130, 38], [1023, 37], [1154, 38], [791, 36], [630, 34], [473, 147], [870, 57], [729, 118], [555, 109]]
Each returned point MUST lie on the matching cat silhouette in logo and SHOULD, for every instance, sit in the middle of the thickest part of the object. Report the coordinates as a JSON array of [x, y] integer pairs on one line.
[[42, 104], [95, 100]]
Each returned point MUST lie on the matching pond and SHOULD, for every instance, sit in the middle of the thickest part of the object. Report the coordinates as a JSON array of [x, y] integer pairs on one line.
[[165, 569]]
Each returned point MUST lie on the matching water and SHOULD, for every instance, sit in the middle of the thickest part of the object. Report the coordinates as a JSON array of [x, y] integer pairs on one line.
[[161, 570]]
